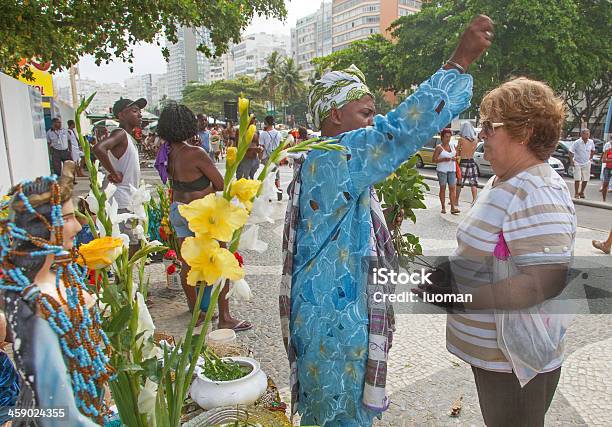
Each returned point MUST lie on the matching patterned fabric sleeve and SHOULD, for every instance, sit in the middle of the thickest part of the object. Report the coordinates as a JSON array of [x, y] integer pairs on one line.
[[375, 152]]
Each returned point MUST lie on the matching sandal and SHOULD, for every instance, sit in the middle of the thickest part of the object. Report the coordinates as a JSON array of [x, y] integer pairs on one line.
[[443, 210], [455, 211], [600, 245], [242, 325]]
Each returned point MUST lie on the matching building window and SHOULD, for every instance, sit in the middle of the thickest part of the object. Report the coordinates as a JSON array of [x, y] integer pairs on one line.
[[405, 12], [416, 4], [356, 12]]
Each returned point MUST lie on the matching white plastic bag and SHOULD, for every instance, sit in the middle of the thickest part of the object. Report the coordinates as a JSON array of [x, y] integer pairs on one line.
[[531, 338]]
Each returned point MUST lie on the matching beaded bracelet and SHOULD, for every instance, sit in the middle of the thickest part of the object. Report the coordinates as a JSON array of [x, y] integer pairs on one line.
[[457, 66]]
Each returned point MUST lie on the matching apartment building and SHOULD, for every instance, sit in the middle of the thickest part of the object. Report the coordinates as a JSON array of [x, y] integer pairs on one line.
[[250, 55], [186, 64], [312, 37], [354, 20]]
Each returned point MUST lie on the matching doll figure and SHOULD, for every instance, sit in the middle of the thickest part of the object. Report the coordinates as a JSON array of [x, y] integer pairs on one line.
[[60, 349]]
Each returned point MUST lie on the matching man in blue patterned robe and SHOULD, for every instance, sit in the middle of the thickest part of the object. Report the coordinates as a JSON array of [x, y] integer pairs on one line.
[[337, 336]]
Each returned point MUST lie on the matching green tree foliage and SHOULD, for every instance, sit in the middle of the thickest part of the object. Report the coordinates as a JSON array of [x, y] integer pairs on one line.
[[566, 43], [209, 98], [373, 56], [272, 77], [298, 106], [61, 31], [290, 80], [592, 88]]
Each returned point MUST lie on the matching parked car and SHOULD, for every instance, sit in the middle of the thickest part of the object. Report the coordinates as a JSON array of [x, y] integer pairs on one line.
[[562, 154], [425, 155], [484, 167]]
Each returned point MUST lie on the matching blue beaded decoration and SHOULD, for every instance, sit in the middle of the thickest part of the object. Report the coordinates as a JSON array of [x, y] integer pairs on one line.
[[84, 344]]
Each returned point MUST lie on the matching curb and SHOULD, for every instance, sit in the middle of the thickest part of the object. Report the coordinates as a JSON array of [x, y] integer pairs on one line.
[[580, 202]]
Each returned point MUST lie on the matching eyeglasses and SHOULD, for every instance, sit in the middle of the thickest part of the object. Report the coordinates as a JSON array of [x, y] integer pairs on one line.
[[488, 127]]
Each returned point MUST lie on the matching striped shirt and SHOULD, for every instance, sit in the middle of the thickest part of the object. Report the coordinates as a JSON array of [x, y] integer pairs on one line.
[[535, 212]]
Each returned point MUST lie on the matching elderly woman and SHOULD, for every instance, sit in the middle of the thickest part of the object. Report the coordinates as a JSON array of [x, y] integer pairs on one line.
[[514, 248]]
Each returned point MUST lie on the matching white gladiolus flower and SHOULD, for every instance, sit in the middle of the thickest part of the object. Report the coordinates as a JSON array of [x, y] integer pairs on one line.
[[262, 211], [116, 218], [263, 206], [139, 232], [92, 202], [249, 240], [269, 190], [146, 328], [110, 190], [240, 290], [99, 173], [138, 198], [147, 398]]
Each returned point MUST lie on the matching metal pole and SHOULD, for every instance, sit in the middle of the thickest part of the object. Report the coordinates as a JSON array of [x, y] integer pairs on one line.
[[75, 99]]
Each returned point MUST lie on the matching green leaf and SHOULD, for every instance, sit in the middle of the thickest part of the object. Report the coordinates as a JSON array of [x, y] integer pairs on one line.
[[119, 320], [70, 30]]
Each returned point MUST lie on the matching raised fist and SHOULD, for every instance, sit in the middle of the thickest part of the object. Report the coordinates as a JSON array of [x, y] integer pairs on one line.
[[474, 41]]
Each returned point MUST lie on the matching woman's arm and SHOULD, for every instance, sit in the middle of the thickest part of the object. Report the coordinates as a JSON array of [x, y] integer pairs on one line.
[[533, 285], [375, 152], [436, 155]]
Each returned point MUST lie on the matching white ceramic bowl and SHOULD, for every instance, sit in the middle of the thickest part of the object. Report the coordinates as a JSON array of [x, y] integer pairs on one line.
[[221, 336], [243, 391]]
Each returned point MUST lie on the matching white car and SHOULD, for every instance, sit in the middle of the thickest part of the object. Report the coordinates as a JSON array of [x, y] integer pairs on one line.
[[484, 167]]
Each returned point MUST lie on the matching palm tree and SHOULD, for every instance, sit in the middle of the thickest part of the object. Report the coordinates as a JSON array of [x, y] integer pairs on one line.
[[291, 85], [271, 78], [290, 79]]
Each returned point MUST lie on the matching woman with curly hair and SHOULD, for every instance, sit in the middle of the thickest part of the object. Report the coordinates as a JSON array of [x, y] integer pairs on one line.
[[192, 176], [514, 248]]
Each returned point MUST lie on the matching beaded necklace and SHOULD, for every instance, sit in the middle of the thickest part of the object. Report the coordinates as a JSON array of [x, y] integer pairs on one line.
[[84, 344]]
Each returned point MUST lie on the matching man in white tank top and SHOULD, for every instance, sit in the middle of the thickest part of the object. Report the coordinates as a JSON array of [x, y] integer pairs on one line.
[[119, 155]]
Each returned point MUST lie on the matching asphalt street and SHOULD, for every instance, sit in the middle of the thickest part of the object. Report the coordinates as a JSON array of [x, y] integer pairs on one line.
[[588, 216]]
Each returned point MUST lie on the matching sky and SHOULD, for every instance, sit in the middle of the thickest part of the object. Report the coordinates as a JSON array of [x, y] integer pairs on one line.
[[148, 57]]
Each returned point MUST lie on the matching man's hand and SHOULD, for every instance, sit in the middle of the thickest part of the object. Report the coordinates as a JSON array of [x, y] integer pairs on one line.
[[474, 41], [115, 177]]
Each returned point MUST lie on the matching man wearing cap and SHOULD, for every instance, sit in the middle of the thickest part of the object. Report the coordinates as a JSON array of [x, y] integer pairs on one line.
[[337, 332], [119, 155]]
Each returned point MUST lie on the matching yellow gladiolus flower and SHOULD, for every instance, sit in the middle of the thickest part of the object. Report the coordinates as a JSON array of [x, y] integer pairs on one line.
[[208, 261], [243, 105], [101, 252], [214, 216], [245, 190], [249, 133], [231, 153], [4, 211]]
